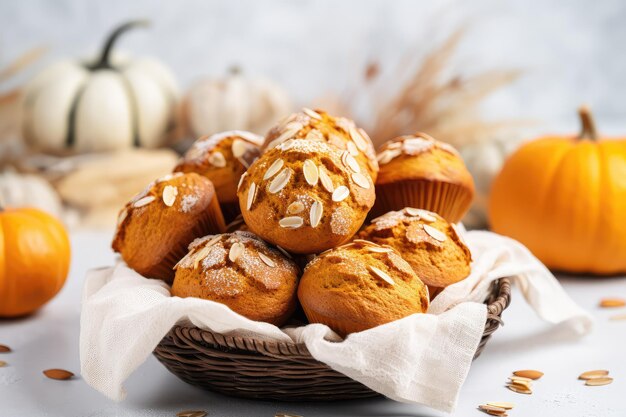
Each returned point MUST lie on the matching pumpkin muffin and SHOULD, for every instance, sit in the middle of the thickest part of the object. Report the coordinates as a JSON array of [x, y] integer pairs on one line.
[[337, 131], [305, 196], [359, 286], [241, 271], [156, 226], [427, 242], [223, 158], [419, 171]]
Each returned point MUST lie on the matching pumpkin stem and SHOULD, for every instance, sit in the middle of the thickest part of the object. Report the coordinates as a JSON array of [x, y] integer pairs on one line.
[[103, 62], [588, 125]]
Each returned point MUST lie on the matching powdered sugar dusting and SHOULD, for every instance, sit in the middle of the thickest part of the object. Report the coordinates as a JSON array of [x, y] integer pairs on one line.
[[223, 281], [188, 202], [340, 221], [215, 257]]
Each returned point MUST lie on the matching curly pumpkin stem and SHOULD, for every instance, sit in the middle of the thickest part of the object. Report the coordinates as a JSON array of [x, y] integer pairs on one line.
[[588, 125], [105, 56]]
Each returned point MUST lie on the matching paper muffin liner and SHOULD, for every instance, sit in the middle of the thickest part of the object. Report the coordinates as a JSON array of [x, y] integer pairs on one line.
[[211, 221], [450, 201]]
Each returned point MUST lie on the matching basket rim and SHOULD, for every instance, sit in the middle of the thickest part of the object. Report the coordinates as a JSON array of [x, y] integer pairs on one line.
[[497, 301]]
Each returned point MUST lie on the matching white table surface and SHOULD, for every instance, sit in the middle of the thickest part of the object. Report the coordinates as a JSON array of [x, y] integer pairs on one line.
[[49, 339]]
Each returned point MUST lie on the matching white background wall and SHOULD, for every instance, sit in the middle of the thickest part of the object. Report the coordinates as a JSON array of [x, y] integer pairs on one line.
[[572, 51]]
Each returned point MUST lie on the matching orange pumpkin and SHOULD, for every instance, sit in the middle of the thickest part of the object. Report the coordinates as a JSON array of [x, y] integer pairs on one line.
[[34, 260], [565, 199]]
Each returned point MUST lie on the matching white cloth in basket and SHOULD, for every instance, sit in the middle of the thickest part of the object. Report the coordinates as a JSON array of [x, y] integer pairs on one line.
[[124, 316]]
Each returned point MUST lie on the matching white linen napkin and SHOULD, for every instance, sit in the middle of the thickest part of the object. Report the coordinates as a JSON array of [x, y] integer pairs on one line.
[[124, 316]]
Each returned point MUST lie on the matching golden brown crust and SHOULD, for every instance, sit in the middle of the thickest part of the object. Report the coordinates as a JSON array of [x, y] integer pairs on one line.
[[359, 286], [337, 131], [439, 257], [240, 270], [222, 158], [420, 157], [156, 226], [305, 196]]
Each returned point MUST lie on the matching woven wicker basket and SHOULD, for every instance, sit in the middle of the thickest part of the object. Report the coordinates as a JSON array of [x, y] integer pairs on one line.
[[251, 368]]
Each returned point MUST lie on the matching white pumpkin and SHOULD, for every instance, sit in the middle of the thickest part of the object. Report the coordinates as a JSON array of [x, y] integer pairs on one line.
[[484, 160], [100, 106], [234, 102], [27, 190]]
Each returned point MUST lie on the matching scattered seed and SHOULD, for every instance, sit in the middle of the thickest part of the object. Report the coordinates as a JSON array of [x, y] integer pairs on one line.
[[519, 389], [311, 174], [251, 195], [59, 374], [290, 130], [122, 216], [341, 193], [388, 155], [502, 404], [241, 180], [284, 252], [327, 183], [314, 135], [520, 379], [291, 222], [349, 161], [521, 382], [239, 148], [235, 251], [413, 211], [311, 113], [435, 234], [295, 207], [612, 302], [379, 249], [273, 169], [529, 373], [2, 364], [595, 382], [381, 274], [618, 317], [598, 373], [217, 160], [427, 217], [352, 148], [280, 181], [267, 260], [169, 195], [360, 180], [492, 409], [200, 255], [191, 414], [4, 349], [359, 141], [144, 201], [316, 213]]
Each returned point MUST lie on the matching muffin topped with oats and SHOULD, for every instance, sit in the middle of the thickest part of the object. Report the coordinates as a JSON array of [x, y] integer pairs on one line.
[[156, 226], [427, 242], [223, 158], [360, 285], [241, 271], [339, 132], [305, 196]]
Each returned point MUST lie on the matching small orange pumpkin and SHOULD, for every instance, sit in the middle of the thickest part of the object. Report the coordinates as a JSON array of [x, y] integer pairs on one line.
[[34, 260], [565, 199]]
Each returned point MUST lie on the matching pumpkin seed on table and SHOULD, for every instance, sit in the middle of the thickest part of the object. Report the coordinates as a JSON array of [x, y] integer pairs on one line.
[[598, 373], [58, 374], [191, 414], [2, 364], [501, 404], [493, 410], [529, 373], [286, 415], [594, 382], [612, 302], [4, 349]]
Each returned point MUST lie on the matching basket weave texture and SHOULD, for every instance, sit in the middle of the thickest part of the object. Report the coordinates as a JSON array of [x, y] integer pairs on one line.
[[252, 368]]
